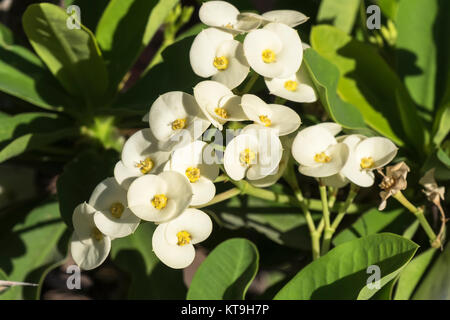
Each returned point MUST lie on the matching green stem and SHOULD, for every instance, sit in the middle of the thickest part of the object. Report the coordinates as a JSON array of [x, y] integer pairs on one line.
[[326, 217], [333, 194], [221, 197], [435, 241], [251, 82]]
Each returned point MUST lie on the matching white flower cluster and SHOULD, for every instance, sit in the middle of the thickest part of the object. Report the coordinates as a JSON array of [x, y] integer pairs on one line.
[[272, 48], [166, 170]]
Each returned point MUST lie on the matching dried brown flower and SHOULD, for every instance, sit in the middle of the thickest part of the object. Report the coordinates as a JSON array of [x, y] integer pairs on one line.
[[393, 181]]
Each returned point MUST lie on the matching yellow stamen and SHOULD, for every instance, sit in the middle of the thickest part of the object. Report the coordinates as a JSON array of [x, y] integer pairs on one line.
[[221, 63], [291, 85], [117, 210], [265, 119], [145, 165], [221, 112], [193, 174], [268, 56], [97, 234], [229, 26], [247, 157], [159, 201], [322, 158], [178, 124], [367, 163], [184, 238]]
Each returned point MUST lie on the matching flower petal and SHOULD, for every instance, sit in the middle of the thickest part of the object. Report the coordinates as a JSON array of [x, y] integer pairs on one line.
[[89, 256], [233, 166], [174, 256], [83, 221], [218, 13], [382, 150], [194, 221], [338, 153], [291, 18], [309, 142], [124, 175], [238, 67]]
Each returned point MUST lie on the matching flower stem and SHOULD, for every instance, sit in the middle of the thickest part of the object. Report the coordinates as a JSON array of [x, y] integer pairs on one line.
[[328, 232], [435, 241], [220, 197], [251, 82]]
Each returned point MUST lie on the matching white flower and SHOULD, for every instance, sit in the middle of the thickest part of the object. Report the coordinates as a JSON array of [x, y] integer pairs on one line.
[[255, 153], [112, 216], [274, 116], [216, 54], [291, 18], [173, 242], [159, 198], [365, 156], [89, 247], [225, 16], [274, 51], [218, 103], [141, 155], [197, 163], [297, 87], [271, 179], [317, 151], [176, 119]]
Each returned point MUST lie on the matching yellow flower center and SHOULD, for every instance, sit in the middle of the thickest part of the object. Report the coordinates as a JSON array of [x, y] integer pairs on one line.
[[367, 163], [247, 156], [265, 119], [193, 174], [116, 210], [221, 63], [291, 85], [221, 112], [229, 26], [178, 124], [145, 165], [159, 201], [97, 234], [322, 158], [184, 238], [268, 56]]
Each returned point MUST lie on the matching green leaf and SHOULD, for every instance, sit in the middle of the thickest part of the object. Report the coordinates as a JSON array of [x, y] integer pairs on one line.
[[441, 126], [80, 177], [30, 243], [72, 55], [342, 272], [416, 49], [226, 273], [15, 126], [325, 76], [436, 284], [150, 279], [374, 221], [33, 141], [411, 275], [90, 17], [341, 14], [368, 83], [125, 29], [163, 77], [389, 8], [444, 157], [23, 75]]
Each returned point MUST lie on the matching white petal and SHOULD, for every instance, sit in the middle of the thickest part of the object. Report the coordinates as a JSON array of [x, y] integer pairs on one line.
[[284, 119], [179, 189], [174, 256], [83, 221], [233, 166], [203, 191], [238, 67], [255, 43], [124, 175], [170, 107], [141, 193], [339, 155], [194, 221], [304, 92], [116, 228], [140, 146], [233, 107], [218, 13], [291, 55], [382, 150], [205, 48], [107, 193], [337, 180], [309, 142], [89, 256], [208, 95], [353, 172], [289, 17], [332, 127]]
